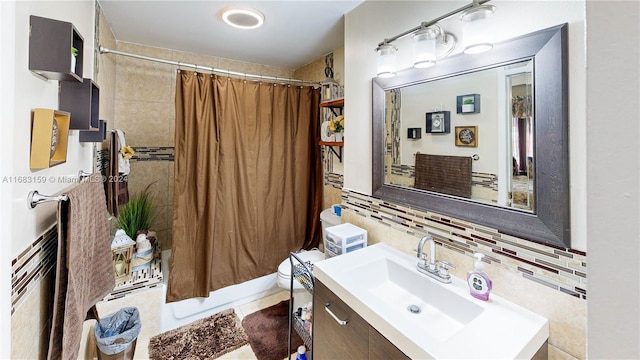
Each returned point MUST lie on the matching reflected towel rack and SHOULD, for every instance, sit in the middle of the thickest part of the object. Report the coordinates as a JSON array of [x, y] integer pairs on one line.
[[34, 198]]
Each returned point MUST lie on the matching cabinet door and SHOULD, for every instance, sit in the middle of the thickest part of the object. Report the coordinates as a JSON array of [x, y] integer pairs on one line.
[[331, 340], [383, 349]]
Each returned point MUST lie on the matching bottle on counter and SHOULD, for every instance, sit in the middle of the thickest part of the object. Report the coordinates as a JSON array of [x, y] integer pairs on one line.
[[478, 281]]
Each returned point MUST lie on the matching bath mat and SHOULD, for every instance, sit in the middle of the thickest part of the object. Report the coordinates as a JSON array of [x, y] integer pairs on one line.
[[206, 338], [268, 332]]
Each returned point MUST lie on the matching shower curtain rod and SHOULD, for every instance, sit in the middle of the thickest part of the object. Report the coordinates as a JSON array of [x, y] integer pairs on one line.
[[104, 50]]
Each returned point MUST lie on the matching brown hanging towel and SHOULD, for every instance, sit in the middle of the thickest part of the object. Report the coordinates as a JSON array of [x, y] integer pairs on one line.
[[84, 269], [116, 183]]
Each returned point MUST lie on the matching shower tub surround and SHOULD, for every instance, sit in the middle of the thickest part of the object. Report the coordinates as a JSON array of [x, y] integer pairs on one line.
[[549, 280], [180, 313]]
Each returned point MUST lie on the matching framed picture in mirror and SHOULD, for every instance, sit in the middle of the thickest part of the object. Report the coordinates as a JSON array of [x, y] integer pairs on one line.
[[467, 136], [468, 104], [439, 122]]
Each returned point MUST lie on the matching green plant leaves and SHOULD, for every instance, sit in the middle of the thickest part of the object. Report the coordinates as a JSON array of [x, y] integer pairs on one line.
[[137, 214]]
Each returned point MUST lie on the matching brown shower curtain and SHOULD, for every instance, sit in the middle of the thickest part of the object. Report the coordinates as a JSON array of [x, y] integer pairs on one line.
[[248, 180]]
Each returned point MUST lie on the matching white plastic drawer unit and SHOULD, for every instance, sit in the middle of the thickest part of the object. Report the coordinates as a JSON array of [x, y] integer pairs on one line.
[[343, 238]]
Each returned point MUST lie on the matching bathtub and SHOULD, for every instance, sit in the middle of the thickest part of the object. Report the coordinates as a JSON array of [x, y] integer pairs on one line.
[[183, 312]]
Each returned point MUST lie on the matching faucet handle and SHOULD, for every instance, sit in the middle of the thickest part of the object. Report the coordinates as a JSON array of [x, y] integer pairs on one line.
[[423, 261], [443, 270]]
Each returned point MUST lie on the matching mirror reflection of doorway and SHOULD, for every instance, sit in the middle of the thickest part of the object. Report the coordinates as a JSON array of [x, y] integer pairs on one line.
[[522, 129]]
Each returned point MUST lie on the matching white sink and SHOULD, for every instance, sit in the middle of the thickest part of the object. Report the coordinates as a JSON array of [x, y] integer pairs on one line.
[[383, 286]]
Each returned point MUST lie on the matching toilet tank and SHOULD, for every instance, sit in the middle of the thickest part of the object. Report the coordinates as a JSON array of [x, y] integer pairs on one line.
[[328, 218]]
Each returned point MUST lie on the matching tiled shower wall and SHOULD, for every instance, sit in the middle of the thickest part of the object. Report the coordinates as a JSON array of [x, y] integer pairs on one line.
[[145, 111]]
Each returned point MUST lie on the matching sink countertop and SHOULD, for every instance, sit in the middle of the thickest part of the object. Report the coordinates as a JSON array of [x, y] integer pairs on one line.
[[377, 281]]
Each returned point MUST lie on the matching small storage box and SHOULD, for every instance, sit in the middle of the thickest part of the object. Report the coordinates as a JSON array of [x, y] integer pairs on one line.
[[343, 238]]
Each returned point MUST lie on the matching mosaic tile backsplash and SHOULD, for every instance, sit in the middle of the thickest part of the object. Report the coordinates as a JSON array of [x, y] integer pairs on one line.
[[151, 153], [33, 265], [561, 269], [143, 153], [36, 261]]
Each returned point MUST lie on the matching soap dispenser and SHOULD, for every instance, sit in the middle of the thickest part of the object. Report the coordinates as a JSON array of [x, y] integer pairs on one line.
[[478, 280]]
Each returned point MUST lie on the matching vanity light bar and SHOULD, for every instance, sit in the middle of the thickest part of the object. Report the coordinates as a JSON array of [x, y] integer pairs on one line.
[[429, 37], [426, 24]]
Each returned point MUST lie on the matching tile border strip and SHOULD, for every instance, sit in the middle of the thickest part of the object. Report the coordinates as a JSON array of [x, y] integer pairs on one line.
[[561, 269], [34, 263], [154, 153]]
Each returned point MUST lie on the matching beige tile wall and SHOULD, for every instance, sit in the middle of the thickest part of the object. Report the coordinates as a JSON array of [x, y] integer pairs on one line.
[[31, 321]]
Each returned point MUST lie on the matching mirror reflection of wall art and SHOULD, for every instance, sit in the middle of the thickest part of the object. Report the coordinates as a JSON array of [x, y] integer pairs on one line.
[[438, 122], [468, 104], [467, 136], [414, 133]]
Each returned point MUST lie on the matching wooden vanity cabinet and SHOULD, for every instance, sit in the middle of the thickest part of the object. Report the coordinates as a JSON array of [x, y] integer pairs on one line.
[[381, 348], [354, 340]]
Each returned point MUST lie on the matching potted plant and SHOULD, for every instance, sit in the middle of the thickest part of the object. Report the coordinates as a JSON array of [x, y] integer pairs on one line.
[[136, 215], [74, 54], [468, 105]]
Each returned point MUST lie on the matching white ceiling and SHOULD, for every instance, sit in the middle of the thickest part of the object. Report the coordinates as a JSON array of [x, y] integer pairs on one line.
[[294, 33]]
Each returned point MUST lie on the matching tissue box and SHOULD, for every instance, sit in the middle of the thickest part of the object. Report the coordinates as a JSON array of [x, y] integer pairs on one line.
[[343, 238]]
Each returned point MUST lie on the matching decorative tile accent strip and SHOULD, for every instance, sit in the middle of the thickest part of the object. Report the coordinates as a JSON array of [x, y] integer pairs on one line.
[[561, 269], [102, 161], [33, 265], [333, 180], [484, 180], [154, 153], [403, 170]]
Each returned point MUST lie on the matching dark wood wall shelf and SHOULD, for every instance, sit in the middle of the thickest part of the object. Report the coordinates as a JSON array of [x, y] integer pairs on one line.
[[99, 135], [50, 43], [332, 145], [82, 100], [333, 105]]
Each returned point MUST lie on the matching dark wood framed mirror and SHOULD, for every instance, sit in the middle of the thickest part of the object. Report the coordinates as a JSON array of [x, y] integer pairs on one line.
[[549, 221]]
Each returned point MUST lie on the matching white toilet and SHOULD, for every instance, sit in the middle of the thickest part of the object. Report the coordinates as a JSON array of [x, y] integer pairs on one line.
[[301, 296]]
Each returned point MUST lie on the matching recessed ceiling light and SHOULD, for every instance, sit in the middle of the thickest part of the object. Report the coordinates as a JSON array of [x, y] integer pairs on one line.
[[242, 18]]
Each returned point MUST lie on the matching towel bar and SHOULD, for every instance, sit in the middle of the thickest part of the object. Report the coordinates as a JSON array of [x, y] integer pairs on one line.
[[82, 174], [34, 198]]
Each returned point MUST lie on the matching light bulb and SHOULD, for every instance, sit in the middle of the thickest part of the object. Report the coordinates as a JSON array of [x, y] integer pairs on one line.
[[424, 47], [386, 60]]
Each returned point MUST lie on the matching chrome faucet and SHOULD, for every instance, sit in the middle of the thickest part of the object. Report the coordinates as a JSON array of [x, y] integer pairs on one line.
[[437, 269]]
